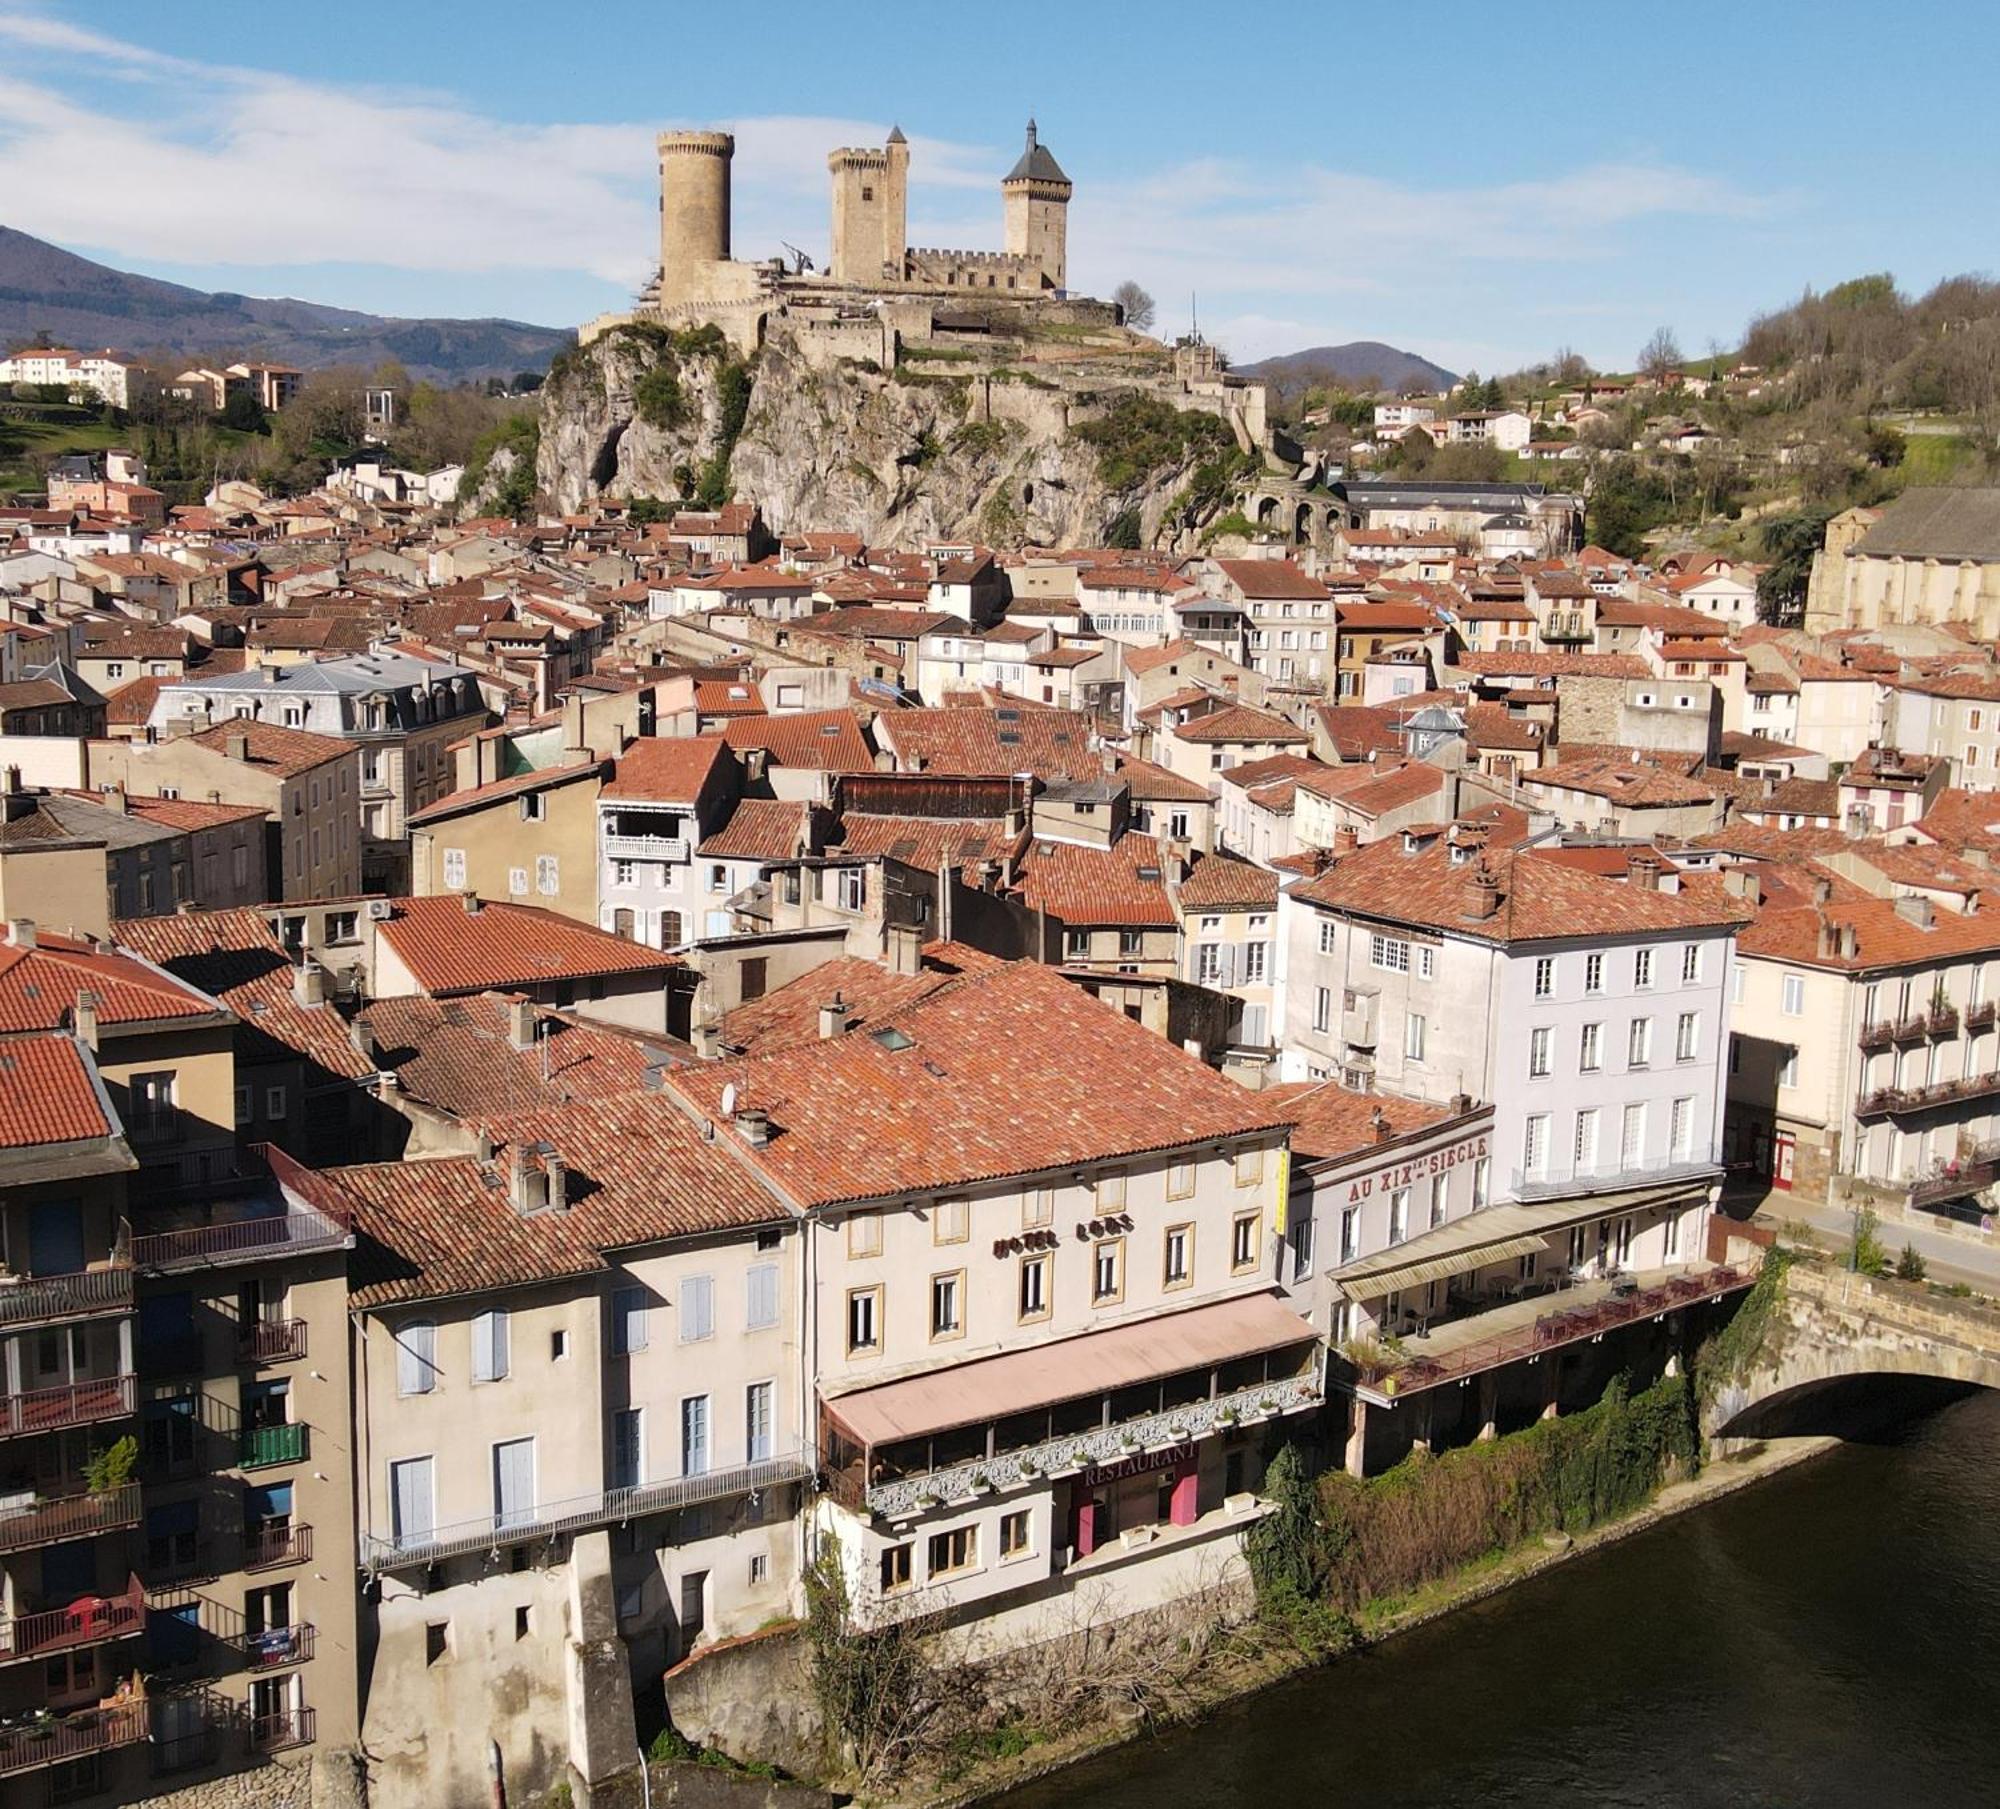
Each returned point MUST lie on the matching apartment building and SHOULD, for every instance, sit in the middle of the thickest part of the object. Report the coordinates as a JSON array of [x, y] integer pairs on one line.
[[1043, 1329], [655, 880], [1290, 619], [1588, 1010], [1229, 917], [1955, 716], [531, 837], [1864, 1041]]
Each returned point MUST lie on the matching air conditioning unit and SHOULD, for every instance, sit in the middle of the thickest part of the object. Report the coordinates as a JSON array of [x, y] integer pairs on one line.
[[380, 910]]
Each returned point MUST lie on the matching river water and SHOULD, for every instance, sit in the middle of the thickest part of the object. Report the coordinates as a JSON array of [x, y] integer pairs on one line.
[[1830, 1636]]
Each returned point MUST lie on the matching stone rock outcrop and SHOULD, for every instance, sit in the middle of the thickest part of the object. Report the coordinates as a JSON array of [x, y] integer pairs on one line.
[[899, 457]]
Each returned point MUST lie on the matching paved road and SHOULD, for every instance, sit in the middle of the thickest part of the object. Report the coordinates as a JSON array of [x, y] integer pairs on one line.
[[1950, 1258]]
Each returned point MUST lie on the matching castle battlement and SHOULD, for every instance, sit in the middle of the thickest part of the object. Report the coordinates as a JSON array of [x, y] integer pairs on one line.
[[994, 260], [852, 157]]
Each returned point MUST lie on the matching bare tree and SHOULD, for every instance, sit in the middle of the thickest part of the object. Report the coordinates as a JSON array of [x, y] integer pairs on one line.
[[1660, 354], [1137, 304]]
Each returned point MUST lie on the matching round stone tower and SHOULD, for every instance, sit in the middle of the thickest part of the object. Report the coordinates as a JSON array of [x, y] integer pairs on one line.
[[694, 212]]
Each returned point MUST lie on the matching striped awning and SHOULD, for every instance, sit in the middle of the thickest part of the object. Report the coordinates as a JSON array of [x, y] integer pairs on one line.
[[1436, 1268]]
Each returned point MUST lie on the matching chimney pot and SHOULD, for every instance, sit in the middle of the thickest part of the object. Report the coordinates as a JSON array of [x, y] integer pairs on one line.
[[753, 1125], [86, 1019], [470, 901]]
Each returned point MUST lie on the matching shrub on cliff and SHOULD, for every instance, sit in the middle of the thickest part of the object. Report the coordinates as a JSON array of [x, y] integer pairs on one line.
[[1139, 434]]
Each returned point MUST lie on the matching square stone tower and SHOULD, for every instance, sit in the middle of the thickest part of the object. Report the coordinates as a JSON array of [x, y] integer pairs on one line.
[[1035, 201], [871, 202]]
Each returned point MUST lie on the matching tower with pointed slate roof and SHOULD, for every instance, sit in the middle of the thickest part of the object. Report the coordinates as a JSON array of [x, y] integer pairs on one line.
[[1035, 201]]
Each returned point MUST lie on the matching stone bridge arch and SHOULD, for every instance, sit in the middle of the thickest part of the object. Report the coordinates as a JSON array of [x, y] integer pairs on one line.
[[1832, 1326]]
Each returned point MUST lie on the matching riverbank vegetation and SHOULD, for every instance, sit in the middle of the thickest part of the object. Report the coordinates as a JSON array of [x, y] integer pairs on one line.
[[1336, 1550]]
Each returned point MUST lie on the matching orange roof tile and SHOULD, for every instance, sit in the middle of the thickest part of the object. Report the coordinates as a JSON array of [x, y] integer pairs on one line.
[[449, 949]]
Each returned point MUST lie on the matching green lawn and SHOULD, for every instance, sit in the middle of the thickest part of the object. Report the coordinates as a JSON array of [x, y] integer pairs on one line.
[[1935, 458]]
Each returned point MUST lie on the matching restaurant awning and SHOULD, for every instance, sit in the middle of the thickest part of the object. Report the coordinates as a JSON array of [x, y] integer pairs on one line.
[[992, 1388], [1492, 1235]]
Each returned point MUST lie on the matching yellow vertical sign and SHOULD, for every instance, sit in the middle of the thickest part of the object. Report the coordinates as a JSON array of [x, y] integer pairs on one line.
[[1282, 1207]]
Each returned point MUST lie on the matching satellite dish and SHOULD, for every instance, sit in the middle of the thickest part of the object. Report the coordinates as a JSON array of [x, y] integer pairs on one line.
[[729, 1100]]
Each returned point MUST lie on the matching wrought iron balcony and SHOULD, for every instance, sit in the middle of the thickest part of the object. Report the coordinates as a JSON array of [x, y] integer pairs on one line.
[[272, 1341], [1894, 1102], [243, 1237], [1941, 1020], [45, 1299], [88, 1622], [74, 1516], [903, 1497], [1955, 1180], [74, 1404], [1980, 1016], [579, 1513], [268, 1547], [289, 1727], [259, 1447], [56, 1739], [276, 1647], [1608, 1177]]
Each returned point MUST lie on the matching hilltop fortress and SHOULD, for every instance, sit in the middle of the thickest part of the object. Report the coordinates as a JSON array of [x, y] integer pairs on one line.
[[872, 263]]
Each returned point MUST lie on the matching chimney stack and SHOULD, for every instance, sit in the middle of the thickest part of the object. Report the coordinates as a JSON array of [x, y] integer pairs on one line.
[[86, 1020], [237, 747], [21, 932], [753, 1125], [555, 1183], [309, 984], [833, 1017], [906, 948], [470, 901], [521, 1023], [1378, 1123], [1642, 870], [1914, 909], [1485, 891], [705, 1037]]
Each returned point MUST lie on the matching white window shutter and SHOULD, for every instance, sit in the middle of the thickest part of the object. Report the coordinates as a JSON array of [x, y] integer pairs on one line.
[[416, 1358]]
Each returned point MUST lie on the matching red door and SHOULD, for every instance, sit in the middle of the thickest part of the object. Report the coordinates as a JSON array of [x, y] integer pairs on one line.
[[1782, 1147]]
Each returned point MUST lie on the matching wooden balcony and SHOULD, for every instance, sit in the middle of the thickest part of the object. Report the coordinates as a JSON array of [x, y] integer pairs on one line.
[[73, 1516], [48, 1299], [75, 1404]]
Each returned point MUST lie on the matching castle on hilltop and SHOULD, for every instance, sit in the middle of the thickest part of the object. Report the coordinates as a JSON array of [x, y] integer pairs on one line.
[[872, 261]]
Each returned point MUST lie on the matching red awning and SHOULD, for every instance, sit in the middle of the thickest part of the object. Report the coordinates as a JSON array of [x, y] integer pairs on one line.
[[992, 1388]]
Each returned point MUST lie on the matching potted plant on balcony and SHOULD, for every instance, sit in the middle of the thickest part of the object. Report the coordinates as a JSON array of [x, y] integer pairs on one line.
[[110, 1467], [982, 1484], [1028, 1464], [1227, 1416]]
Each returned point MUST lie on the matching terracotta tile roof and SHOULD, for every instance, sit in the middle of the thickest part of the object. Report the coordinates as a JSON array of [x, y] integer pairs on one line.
[[281, 750], [184, 813], [1402, 785], [1220, 883], [1638, 782], [1964, 819], [1355, 731], [1087, 887], [520, 785], [828, 741], [925, 842], [1051, 744], [1240, 723], [1789, 920], [1553, 665], [666, 769], [759, 829], [456, 1055], [1152, 784], [449, 949], [1274, 579], [1537, 899], [984, 1088], [1333, 1122], [38, 986], [235, 956], [869, 992], [727, 697], [50, 1093]]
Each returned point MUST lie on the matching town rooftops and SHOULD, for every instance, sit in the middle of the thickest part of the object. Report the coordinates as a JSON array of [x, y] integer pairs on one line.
[[827, 741], [1122, 886], [976, 1083], [1051, 744], [672, 770], [41, 977], [1504, 896], [860, 990], [1240, 723], [279, 750], [52, 1094], [1272, 580], [1333, 1122], [1221, 883], [1937, 523], [518, 785], [462, 943]]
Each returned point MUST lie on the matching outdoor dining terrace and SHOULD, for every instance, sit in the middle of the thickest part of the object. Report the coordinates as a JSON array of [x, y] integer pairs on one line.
[[1530, 1326], [89, 1621]]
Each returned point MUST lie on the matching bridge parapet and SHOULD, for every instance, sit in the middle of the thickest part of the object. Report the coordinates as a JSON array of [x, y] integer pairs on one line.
[[1832, 1324]]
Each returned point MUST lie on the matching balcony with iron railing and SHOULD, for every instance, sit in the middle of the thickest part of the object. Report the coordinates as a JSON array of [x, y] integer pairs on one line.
[[1980, 1016], [32, 1742], [271, 1341], [85, 1403], [278, 1543], [672, 849], [288, 1727], [261, 1447], [276, 1647], [1525, 1328], [48, 1299], [1959, 1177], [1891, 1102], [1609, 1177], [233, 1232], [579, 1513], [88, 1621], [25, 1525]]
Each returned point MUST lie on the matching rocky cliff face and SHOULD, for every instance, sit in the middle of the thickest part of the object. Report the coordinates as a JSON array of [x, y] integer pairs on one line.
[[896, 457]]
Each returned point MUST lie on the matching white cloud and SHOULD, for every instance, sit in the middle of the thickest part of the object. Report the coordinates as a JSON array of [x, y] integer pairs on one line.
[[191, 164]]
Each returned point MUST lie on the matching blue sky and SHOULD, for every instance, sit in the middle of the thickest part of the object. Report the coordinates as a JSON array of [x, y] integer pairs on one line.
[[1481, 184]]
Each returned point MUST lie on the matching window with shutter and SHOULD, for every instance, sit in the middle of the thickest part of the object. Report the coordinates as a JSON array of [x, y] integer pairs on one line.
[[416, 1358], [489, 1346], [412, 1500], [761, 1291], [697, 1308], [628, 1321], [514, 1482]]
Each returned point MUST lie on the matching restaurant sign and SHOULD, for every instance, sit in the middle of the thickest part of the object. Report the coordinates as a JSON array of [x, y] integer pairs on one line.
[[1403, 1174], [1139, 1464]]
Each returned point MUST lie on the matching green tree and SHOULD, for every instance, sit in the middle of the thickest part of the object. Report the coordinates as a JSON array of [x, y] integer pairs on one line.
[[1789, 543], [243, 412], [1910, 1266], [1626, 501], [1868, 1255]]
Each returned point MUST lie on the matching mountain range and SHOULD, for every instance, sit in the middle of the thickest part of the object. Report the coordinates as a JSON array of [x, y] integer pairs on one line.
[[1360, 364], [44, 289]]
